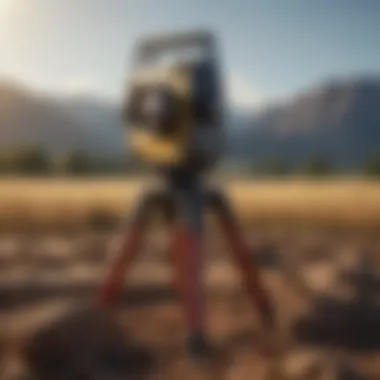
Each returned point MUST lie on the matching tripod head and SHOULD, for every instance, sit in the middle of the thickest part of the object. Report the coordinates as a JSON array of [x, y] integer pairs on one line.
[[174, 103]]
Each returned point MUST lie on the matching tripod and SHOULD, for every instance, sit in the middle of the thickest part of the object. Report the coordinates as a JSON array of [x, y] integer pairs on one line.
[[183, 201]]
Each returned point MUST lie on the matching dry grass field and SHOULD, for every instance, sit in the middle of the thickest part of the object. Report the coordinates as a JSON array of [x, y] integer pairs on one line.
[[347, 203], [328, 319]]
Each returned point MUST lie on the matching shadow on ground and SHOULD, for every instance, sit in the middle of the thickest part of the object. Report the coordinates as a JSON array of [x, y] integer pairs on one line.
[[15, 296], [353, 325], [85, 344]]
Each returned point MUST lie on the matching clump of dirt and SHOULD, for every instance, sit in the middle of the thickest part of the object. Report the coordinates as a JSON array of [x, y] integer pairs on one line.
[[347, 324], [84, 344]]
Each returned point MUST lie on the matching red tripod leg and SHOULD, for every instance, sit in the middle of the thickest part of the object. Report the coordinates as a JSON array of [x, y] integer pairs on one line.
[[126, 250], [187, 254], [242, 257], [174, 245], [170, 217]]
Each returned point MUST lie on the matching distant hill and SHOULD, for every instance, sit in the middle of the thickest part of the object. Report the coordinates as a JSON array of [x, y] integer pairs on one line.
[[339, 120], [58, 124], [28, 119], [100, 120]]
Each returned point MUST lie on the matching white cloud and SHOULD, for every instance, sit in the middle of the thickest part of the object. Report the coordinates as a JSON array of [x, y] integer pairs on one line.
[[241, 93]]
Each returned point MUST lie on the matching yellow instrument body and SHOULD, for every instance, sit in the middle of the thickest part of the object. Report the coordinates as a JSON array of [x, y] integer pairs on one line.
[[170, 149]]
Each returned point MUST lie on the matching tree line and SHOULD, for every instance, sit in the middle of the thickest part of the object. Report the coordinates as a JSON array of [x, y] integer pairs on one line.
[[35, 161], [315, 166]]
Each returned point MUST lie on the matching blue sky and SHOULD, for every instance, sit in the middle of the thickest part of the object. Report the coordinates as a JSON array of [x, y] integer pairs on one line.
[[270, 48]]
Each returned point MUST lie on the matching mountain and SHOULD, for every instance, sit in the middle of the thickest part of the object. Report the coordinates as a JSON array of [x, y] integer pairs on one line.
[[238, 126], [59, 124], [101, 120], [339, 120], [28, 119]]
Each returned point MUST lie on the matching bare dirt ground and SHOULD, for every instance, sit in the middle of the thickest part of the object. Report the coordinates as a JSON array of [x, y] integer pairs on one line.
[[329, 320]]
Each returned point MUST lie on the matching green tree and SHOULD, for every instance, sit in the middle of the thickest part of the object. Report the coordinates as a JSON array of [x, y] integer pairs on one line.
[[76, 162], [372, 165], [316, 166], [5, 162], [273, 166], [28, 160]]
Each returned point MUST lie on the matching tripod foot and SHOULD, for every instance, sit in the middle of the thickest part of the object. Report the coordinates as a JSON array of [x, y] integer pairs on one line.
[[198, 346]]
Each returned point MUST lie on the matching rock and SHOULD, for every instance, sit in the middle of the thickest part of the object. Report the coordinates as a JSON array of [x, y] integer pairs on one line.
[[84, 344]]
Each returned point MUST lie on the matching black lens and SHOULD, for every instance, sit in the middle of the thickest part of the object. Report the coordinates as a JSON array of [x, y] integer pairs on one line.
[[154, 108]]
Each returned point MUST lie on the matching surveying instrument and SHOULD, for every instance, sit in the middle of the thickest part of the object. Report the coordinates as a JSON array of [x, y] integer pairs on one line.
[[173, 112]]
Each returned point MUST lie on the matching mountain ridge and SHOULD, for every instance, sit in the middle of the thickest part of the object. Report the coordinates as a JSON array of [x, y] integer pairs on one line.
[[337, 118]]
